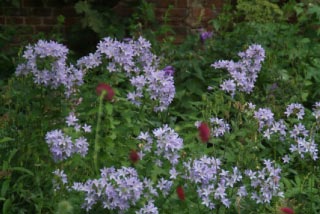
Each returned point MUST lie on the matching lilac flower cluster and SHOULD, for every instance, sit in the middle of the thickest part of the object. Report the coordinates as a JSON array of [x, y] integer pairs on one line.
[[148, 208], [299, 131], [60, 179], [295, 109], [219, 127], [72, 121], [46, 61], [164, 186], [277, 127], [214, 183], [117, 189], [304, 146], [316, 110], [168, 144], [303, 143], [211, 179], [244, 72], [160, 86], [264, 117], [62, 147], [135, 58], [265, 183]]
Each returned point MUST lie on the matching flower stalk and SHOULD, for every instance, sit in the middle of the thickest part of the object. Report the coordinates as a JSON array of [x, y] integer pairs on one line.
[[96, 140]]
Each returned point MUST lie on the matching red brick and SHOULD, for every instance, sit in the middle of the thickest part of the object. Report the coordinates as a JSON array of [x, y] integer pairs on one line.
[[65, 11], [2, 20], [32, 3], [181, 3], [33, 20], [71, 21], [49, 21], [42, 12], [217, 4], [53, 3], [164, 3], [179, 13], [208, 14], [44, 29], [197, 12], [15, 11], [123, 11], [14, 20], [182, 30]]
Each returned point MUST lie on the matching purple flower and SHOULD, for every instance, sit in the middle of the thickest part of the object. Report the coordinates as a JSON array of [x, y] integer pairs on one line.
[[161, 88], [219, 127], [316, 110], [60, 145], [116, 189], [286, 159], [242, 192], [164, 186], [212, 181], [46, 62], [81, 146], [229, 86], [71, 119], [295, 109], [167, 143], [244, 72], [141, 66], [86, 128], [299, 130], [204, 35], [303, 146], [264, 117], [60, 179], [169, 70], [265, 183], [149, 208]]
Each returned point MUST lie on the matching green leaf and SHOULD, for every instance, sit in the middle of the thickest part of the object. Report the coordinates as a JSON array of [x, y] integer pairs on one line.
[[5, 187], [13, 152], [109, 108], [6, 139], [21, 169], [6, 206], [81, 7]]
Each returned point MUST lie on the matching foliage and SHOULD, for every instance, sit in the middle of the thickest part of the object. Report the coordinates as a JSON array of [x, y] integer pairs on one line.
[[120, 145], [260, 11]]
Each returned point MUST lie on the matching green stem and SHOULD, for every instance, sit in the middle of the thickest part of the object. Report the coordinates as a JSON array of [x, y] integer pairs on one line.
[[96, 140]]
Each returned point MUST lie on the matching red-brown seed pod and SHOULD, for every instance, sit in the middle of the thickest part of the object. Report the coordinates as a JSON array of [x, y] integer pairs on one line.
[[204, 132], [107, 88], [180, 193]]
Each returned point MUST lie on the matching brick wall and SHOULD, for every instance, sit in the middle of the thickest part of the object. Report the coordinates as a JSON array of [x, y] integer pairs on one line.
[[41, 15], [37, 15]]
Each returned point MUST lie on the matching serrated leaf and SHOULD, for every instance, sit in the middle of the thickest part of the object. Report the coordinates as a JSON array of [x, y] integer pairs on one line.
[[109, 108], [81, 7]]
